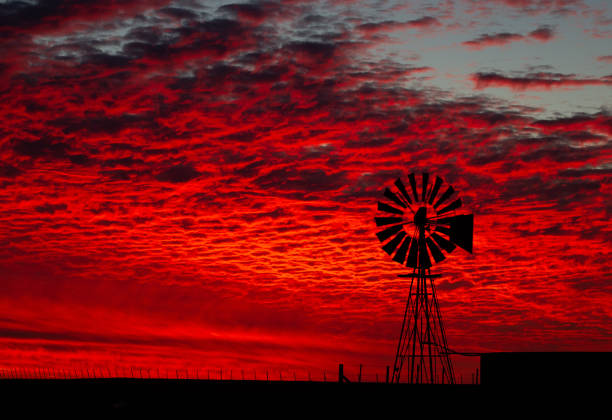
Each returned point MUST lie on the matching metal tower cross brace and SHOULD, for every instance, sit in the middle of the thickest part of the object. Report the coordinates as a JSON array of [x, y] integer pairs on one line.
[[422, 352]]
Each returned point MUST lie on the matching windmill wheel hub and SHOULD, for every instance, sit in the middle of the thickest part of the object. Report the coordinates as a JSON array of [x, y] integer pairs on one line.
[[420, 217]]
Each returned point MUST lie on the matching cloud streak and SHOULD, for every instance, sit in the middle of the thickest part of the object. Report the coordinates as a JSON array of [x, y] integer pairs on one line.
[[537, 81], [541, 34]]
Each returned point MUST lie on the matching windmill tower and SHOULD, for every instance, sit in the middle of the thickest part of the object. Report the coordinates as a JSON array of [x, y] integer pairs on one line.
[[416, 228]]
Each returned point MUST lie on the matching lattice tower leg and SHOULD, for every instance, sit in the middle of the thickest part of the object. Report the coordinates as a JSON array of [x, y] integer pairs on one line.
[[422, 351]]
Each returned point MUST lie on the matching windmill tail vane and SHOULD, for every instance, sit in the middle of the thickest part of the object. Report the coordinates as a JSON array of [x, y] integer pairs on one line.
[[418, 226]]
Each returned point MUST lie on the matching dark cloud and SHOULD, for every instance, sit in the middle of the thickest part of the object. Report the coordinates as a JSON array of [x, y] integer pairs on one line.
[[101, 123], [561, 191], [118, 174], [252, 169], [487, 40], [148, 34], [108, 60], [305, 181], [390, 25], [178, 173], [125, 161], [246, 10], [368, 141], [244, 136], [536, 81], [542, 34], [586, 171], [23, 14], [317, 50], [56, 15], [9, 171], [44, 147], [537, 7], [178, 12], [599, 122], [50, 208]]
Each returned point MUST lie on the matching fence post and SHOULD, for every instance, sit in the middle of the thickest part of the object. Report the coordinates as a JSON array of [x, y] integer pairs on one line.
[[341, 377], [360, 366], [387, 378]]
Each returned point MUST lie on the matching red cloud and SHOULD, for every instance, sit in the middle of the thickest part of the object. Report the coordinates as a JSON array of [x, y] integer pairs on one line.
[[486, 40], [542, 34], [536, 81]]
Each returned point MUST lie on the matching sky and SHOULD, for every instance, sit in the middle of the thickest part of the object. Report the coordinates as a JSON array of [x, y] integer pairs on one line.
[[193, 184]]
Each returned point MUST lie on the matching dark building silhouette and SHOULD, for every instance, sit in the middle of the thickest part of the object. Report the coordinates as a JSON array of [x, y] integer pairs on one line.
[[546, 369]]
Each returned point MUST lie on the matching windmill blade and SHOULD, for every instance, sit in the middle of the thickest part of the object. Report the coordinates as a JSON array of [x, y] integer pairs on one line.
[[393, 243], [442, 220], [413, 253], [382, 221], [443, 229], [425, 183], [389, 209], [391, 196], [444, 197], [424, 260], [389, 232], [452, 206], [400, 255], [412, 180], [400, 186], [436, 187], [435, 251], [462, 231], [444, 243]]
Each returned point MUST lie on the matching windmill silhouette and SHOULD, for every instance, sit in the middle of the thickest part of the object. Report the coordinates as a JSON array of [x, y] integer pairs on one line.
[[416, 226]]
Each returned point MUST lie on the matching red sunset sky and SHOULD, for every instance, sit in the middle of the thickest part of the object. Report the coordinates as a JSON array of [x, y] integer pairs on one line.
[[193, 184]]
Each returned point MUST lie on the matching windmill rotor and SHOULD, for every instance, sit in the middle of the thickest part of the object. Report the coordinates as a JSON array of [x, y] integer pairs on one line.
[[423, 225]]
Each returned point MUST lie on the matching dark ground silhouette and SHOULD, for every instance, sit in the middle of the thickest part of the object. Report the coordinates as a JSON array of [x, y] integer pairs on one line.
[[509, 381]]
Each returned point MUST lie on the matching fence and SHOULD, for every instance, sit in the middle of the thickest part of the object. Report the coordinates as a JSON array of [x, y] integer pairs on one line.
[[352, 373]]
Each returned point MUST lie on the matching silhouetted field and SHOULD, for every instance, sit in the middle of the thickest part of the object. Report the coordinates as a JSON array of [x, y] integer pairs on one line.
[[228, 396], [286, 399], [511, 381]]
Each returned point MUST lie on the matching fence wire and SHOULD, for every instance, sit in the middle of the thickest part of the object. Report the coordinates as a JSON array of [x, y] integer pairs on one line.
[[352, 372]]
